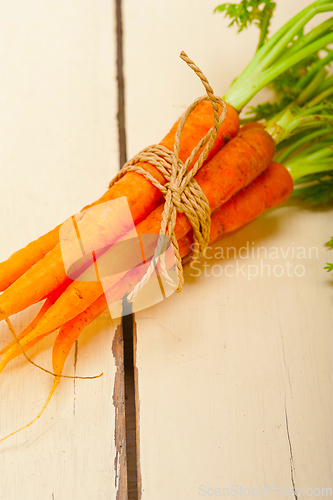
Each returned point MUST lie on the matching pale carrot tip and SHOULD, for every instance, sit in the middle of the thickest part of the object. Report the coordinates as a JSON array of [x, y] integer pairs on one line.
[[55, 385], [4, 362]]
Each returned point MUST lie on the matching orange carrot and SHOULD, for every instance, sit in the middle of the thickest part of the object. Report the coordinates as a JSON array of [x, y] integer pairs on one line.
[[249, 125], [50, 272], [230, 170], [50, 300], [244, 158], [233, 168], [141, 195], [270, 189], [81, 295], [71, 330]]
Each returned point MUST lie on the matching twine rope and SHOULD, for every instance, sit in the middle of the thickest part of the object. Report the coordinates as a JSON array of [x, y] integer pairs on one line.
[[182, 192]]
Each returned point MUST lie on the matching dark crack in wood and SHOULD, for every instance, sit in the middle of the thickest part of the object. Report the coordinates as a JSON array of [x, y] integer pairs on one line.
[[137, 414], [292, 467], [76, 352], [120, 462], [120, 85], [130, 371], [131, 403]]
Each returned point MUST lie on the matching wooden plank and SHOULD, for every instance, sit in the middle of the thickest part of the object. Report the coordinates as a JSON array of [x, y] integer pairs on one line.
[[59, 150], [234, 374], [225, 367]]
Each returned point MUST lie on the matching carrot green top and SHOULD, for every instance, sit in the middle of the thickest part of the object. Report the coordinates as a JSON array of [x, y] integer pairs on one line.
[[284, 50]]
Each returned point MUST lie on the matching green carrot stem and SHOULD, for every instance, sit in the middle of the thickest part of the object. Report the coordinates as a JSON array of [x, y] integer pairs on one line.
[[321, 154], [301, 169], [321, 63], [318, 147], [274, 57], [303, 140], [310, 90], [266, 49], [239, 97], [308, 109], [313, 35], [310, 162], [328, 82], [320, 97], [284, 127], [308, 121]]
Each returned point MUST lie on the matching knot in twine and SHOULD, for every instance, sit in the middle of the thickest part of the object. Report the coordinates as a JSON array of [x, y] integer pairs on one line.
[[182, 192]]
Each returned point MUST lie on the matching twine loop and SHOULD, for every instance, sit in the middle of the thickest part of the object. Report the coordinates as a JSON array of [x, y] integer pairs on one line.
[[182, 192]]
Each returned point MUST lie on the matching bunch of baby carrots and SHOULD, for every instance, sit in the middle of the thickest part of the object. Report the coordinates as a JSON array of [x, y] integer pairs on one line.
[[242, 176]]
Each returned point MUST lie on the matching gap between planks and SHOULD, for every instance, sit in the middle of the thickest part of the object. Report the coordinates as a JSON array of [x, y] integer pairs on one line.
[[126, 388]]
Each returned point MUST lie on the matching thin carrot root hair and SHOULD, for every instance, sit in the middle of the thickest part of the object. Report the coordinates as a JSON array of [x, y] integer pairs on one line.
[[17, 340], [57, 379], [29, 328], [50, 300], [55, 385]]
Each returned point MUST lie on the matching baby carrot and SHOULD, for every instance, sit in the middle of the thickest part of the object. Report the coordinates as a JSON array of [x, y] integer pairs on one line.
[[79, 296], [270, 189], [249, 125], [230, 170], [141, 195], [50, 300]]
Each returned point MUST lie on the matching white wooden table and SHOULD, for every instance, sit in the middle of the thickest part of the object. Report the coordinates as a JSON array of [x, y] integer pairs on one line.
[[59, 150], [234, 374]]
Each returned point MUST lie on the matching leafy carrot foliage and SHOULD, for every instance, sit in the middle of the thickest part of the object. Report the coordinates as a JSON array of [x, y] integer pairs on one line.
[[248, 12]]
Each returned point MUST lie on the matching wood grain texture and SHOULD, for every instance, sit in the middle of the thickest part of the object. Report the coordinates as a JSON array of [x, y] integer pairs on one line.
[[235, 375], [235, 372], [59, 150]]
